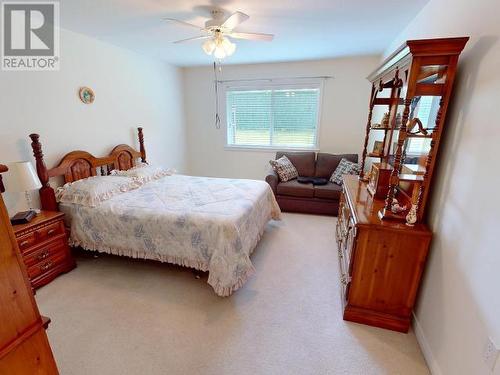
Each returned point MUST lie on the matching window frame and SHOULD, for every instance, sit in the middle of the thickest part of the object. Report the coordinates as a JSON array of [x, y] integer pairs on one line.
[[270, 84]]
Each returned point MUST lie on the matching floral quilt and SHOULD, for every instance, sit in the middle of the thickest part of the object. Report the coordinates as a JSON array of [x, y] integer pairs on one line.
[[210, 224]]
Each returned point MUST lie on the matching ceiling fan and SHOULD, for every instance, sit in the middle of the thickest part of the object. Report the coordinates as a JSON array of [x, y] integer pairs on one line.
[[219, 30]]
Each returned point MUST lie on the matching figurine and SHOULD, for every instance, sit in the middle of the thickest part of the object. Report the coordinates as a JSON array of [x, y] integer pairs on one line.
[[385, 120], [396, 208], [411, 218]]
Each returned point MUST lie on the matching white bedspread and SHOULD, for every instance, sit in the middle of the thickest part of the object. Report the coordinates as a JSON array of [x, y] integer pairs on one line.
[[210, 224]]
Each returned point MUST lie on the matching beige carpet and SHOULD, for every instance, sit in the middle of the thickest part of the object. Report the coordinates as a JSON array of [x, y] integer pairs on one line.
[[115, 315]]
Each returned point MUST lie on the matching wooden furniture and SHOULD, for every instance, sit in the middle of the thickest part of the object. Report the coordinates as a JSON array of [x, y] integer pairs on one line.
[[24, 347], [381, 262], [381, 251], [413, 88], [77, 165], [44, 247], [379, 179]]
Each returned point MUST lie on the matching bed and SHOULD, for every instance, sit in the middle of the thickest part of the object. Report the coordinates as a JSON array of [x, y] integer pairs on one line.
[[209, 224]]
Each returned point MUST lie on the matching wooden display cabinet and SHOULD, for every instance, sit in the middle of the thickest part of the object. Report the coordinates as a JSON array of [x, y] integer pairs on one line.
[[413, 86], [382, 251]]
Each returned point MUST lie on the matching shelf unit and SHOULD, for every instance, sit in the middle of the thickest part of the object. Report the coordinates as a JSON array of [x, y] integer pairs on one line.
[[381, 261], [420, 71]]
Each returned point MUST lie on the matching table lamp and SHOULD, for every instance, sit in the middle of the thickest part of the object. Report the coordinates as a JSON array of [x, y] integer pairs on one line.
[[23, 178]]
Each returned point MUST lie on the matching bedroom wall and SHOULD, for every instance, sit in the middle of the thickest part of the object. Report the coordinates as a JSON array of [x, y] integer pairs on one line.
[[345, 101], [459, 304], [130, 90]]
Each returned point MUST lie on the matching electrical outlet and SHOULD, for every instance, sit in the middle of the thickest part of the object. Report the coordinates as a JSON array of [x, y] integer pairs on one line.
[[490, 354]]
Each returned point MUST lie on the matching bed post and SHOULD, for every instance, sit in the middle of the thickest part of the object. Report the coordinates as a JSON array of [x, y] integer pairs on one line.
[[141, 145], [47, 196]]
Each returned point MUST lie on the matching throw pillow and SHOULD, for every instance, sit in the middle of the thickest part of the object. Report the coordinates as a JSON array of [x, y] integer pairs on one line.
[[345, 167], [284, 168]]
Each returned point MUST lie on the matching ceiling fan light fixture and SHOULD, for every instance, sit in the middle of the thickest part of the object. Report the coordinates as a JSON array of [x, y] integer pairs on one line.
[[209, 46], [229, 47], [219, 52]]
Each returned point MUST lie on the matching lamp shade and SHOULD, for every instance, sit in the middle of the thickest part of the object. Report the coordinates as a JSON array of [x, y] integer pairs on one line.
[[22, 177]]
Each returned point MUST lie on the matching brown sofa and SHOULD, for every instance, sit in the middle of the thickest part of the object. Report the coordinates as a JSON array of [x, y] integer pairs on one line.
[[293, 196]]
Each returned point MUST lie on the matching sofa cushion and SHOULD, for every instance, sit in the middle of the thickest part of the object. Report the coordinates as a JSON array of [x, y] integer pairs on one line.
[[284, 168], [328, 191], [303, 161], [295, 189], [345, 167], [327, 163]]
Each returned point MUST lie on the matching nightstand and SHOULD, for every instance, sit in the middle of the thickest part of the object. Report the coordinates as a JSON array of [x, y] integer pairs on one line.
[[44, 247]]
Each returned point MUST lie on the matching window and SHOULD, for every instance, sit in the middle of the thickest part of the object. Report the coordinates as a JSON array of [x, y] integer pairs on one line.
[[426, 112], [273, 115]]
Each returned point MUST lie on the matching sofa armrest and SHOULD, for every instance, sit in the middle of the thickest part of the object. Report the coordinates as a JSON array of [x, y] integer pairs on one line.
[[272, 179]]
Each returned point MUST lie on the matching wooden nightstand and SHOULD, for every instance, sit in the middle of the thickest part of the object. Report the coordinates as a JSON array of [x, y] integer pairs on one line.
[[44, 247]]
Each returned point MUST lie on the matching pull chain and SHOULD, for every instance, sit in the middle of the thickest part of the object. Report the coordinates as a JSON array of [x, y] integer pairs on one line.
[[216, 82]]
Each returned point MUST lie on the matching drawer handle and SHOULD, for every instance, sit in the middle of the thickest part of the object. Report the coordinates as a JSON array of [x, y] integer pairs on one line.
[[51, 232], [46, 266], [24, 243], [43, 255]]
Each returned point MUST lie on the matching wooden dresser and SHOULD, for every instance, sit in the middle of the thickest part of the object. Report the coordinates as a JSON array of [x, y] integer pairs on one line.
[[382, 237], [24, 348], [44, 247], [381, 262]]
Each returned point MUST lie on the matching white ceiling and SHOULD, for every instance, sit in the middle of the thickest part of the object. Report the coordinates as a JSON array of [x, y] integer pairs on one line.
[[304, 30]]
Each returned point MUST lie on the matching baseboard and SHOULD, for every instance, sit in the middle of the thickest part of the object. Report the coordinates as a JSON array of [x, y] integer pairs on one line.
[[424, 346]]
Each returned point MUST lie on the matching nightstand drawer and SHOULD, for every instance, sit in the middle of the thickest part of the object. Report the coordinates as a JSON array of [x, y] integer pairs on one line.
[[44, 252], [43, 244], [49, 231], [47, 264], [26, 241]]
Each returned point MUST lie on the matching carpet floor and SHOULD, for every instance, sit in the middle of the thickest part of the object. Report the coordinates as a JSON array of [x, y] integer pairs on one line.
[[114, 315]]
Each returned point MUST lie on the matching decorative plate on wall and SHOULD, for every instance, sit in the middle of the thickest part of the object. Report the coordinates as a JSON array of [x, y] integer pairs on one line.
[[87, 95]]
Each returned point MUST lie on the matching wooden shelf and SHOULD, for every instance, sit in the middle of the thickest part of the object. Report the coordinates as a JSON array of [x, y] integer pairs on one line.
[[408, 135], [387, 101], [415, 168], [372, 155], [411, 177]]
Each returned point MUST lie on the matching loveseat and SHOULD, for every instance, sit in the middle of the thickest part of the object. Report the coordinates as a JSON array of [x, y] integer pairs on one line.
[[293, 196]]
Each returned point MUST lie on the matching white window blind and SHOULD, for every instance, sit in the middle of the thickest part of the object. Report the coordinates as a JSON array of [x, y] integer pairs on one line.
[[273, 116], [426, 112]]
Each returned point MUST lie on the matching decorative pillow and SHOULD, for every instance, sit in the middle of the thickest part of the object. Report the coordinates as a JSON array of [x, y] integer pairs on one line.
[[144, 172], [284, 168], [94, 190], [345, 167]]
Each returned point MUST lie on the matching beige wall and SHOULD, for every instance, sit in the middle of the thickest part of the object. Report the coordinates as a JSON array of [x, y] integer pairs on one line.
[[130, 90], [459, 305], [344, 111]]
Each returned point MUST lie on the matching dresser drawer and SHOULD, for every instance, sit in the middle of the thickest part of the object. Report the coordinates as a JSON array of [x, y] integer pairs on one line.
[[49, 231], [46, 265], [44, 252], [26, 241]]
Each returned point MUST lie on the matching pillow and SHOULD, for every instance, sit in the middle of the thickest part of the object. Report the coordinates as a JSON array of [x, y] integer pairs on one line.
[[144, 172], [284, 168], [92, 191], [345, 167]]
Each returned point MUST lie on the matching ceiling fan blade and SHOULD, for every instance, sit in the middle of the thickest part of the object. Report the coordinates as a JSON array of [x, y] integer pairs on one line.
[[182, 23], [252, 36], [234, 20], [191, 39]]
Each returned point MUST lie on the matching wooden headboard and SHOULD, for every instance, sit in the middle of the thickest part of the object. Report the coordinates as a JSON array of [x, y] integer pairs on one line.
[[78, 165], [3, 169]]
